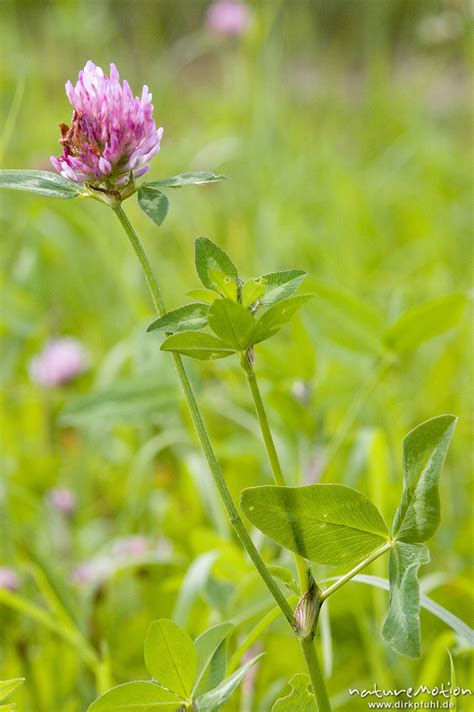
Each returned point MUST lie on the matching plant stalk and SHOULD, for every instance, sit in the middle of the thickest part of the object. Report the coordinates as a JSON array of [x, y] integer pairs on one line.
[[265, 427], [272, 456], [308, 648], [307, 645], [353, 572], [201, 430]]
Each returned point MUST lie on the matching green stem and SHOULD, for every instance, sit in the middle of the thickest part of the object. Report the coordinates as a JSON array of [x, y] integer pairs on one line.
[[264, 426], [353, 572], [307, 645], [272, 455], [151, 281], [201, 430], [314, 669]]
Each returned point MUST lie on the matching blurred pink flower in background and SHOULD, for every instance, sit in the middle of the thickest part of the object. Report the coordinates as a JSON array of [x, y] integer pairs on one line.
[[228, 17], [61, 361], [95, 571], [123, 552], [112, 134], [131, 546], [9, 579], [248, 683], [62, 499]]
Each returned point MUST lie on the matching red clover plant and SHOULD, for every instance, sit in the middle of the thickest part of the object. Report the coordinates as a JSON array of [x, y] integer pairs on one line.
[[108, 145]]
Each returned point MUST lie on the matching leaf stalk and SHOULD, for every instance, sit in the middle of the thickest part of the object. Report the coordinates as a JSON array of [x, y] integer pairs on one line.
[[353, 572]]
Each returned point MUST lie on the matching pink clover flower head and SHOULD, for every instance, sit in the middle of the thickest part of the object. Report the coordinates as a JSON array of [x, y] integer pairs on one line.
[[112, 134], [228, 17], [9, 579], [62, 499], [61, 361]]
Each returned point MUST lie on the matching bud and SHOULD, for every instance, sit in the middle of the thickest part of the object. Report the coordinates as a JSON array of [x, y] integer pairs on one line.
[[306, 613]]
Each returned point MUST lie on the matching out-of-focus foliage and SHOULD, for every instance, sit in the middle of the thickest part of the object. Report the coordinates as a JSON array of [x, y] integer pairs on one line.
[[342, 128]]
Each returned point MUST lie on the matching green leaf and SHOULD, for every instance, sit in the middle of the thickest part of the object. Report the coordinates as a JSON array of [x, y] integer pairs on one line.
[[46, 183], [252, 290], [285, 576], [9, 686], [171, 657], [455, 623], [300, 699], [216, 698], [277, 316], [153, 203], [202, 295], [196, 345], [424, 322], [232, 323], [188, 318], [424, 452], [193, 178], [280, 285], [137, 696], [326, 523], [211, 650], [401, 629], [347, 320], [226, 286], [208, 257]]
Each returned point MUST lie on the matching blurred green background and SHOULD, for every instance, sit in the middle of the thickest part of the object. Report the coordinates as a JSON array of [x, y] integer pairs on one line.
[[343, 129]]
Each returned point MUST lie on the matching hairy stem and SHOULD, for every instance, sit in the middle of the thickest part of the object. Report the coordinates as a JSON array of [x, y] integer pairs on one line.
[[353, 572], [201, 430]]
